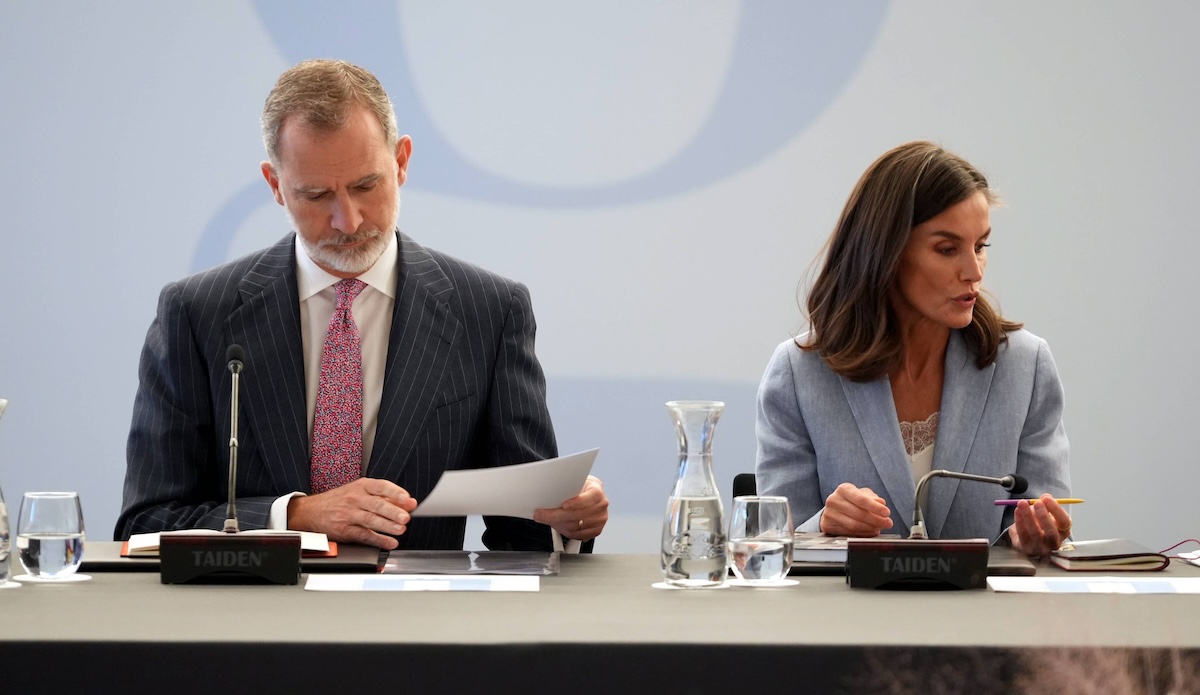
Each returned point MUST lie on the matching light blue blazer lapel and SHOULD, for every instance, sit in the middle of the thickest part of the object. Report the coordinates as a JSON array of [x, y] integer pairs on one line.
[[267, 325], [424, 332], [875, 414], [965, 390]]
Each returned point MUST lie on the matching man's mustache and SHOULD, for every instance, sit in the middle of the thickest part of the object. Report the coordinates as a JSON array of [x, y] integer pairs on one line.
[[344, 239]]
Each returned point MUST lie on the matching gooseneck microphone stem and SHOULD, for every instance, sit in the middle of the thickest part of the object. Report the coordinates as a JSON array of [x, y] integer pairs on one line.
[[234, 355], [1012, 483]]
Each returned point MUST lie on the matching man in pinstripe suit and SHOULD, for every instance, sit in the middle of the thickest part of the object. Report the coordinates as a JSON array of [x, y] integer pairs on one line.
[[449, 375]]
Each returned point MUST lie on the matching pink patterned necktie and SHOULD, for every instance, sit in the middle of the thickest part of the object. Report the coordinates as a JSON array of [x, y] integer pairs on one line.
[[337, 420]]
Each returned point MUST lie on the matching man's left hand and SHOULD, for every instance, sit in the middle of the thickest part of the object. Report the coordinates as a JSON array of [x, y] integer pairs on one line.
[[583, 516]]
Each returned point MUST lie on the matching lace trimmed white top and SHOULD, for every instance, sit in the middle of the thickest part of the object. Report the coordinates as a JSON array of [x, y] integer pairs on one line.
[[918, 438]]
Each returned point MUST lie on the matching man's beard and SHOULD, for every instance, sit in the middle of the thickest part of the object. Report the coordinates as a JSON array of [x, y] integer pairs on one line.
[[352, 261]]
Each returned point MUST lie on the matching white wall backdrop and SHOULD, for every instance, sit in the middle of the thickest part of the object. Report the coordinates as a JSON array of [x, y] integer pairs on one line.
[[660, 174]]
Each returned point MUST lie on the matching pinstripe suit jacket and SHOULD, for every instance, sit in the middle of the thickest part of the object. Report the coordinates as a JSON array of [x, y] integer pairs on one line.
[[817, 430], [462, 389]]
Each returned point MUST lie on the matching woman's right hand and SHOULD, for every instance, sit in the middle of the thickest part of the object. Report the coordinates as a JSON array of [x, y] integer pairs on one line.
[[855, 511]]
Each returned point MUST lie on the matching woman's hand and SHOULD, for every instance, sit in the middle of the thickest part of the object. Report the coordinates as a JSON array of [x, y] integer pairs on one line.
[[855, 511], [1039, 528]]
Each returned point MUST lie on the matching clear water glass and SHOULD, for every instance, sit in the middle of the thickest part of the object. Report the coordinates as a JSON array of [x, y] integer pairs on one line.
[[760, 539], [50, 534]]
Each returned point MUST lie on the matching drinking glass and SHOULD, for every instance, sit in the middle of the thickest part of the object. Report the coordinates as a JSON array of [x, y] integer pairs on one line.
[[760, 539], [50, 534]]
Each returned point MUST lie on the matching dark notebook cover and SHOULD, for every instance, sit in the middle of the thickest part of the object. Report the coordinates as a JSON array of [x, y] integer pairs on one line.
[[1108, 555]]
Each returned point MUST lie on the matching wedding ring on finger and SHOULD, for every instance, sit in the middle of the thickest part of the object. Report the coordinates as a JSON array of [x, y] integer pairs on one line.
[[581, 523]]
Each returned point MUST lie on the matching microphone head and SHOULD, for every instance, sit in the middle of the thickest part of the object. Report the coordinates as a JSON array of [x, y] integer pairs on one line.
[[235, 356], [1017, 484]]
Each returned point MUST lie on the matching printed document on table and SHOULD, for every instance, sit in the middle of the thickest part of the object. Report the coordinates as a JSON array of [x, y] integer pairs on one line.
[[515, 490], [1139, 583], [420, 582]]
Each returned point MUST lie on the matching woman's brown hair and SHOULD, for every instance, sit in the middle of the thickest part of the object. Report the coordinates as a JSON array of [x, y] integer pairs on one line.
[[853, 326]]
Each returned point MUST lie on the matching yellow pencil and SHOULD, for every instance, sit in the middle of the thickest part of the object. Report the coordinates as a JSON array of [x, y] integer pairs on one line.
[[1013, 503]]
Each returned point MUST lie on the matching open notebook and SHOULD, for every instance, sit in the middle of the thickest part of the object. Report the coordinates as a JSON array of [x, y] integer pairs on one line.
[[311, 544]]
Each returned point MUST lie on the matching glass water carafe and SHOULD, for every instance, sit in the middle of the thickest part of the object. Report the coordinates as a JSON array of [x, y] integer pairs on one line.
[[5, 543], [693, 537]]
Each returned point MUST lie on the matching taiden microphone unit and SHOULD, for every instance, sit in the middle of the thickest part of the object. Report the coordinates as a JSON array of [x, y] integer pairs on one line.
[[918, 562], [230, 557]]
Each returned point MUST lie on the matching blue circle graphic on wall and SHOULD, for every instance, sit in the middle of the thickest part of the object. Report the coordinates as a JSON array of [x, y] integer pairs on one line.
[[789, 61]]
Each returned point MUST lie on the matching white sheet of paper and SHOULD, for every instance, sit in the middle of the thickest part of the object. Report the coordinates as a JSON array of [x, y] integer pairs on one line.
[[421, 582], [1132, 583], [509, 490]]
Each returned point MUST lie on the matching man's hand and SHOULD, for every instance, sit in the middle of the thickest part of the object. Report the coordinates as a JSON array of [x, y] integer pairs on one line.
[[583, 516], [357, 512], [855, 511], [1039, 528]]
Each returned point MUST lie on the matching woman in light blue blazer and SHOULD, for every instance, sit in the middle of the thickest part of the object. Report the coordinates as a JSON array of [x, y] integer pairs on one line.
[[907, 368]]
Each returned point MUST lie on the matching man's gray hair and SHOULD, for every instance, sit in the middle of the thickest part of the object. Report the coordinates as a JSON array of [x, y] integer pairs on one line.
[[322, 93]]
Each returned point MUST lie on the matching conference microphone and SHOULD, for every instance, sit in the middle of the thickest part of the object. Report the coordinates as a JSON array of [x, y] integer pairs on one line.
[[1013, 483], [234, 358], [231, 557], [918, 562]]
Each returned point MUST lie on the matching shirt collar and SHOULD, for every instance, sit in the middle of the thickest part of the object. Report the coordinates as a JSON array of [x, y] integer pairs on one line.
[[311, 278]]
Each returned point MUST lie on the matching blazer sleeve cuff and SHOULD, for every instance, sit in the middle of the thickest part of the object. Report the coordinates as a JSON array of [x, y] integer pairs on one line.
[[813, 524]]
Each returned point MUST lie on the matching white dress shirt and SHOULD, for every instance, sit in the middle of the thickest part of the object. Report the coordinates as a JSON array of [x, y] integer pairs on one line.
[[372, 311]]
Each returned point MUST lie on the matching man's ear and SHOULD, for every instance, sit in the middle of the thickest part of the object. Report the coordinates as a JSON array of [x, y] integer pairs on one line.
[[268, 172], [403, 152]]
